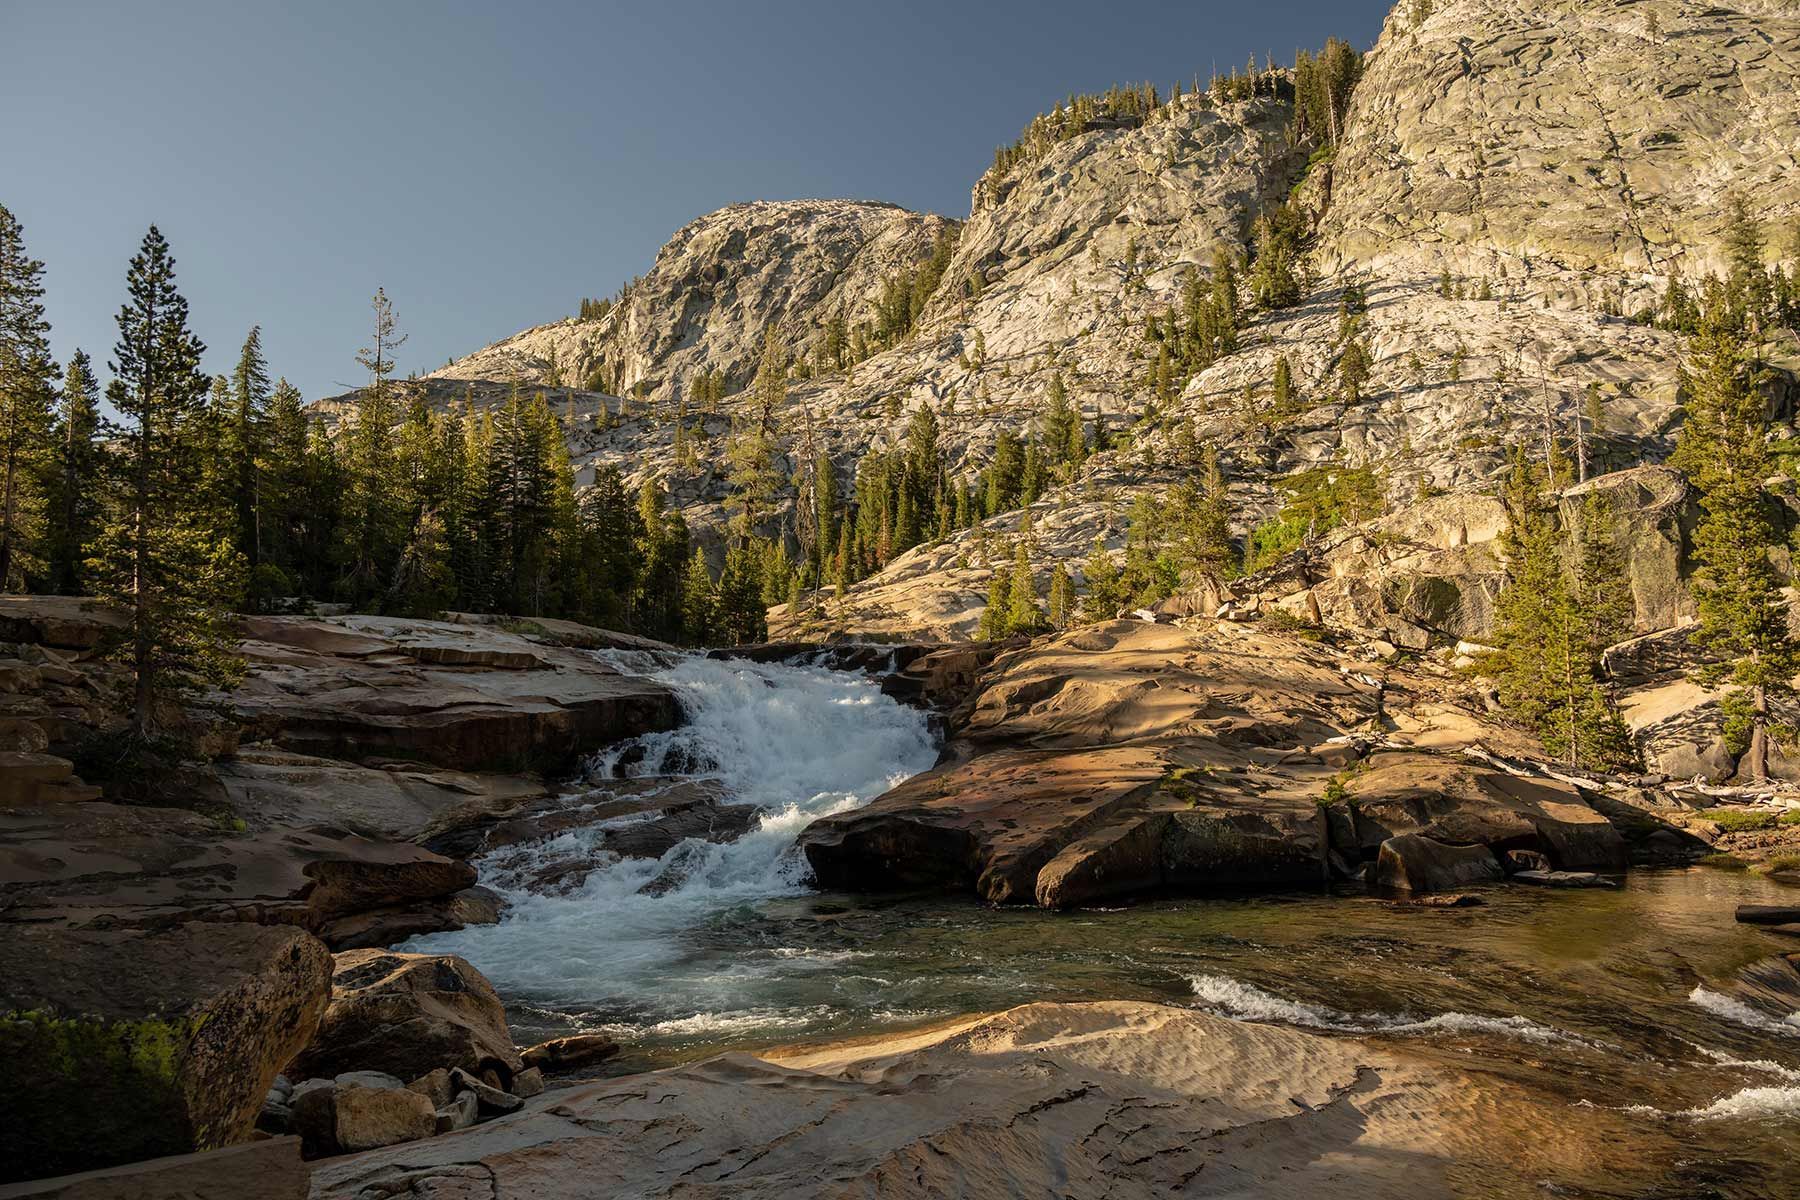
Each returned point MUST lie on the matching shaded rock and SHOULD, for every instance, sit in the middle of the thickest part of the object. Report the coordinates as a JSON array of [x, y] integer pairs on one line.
[[576, 1050], [139, 1043], [434, 1086], [386, 926], [460, 1113], [1459, 801], [138, 866], [528, 1083], [1562, 879], [1412, 863], [64, 621], [1768, 914], [270, 1169], [409, 1014], [491, 1100], [1665, 652], [1450, 900]]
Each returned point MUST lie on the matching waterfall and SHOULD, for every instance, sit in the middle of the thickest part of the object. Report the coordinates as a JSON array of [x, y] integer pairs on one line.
[[799, 742]]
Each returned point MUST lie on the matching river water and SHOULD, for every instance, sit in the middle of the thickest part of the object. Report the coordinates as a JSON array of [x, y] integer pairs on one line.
[[1618, 998]]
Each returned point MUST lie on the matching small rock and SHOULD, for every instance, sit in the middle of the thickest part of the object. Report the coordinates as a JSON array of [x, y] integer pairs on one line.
[[576, 1050], [529, 1082], [460, 1113], [1450, 900], [1563, 879], [281, 1089], [1526, 860], [276, 1118], [492, 1101], [434, 1086]]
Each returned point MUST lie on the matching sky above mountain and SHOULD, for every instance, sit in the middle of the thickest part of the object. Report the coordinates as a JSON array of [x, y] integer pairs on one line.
[[490, 165]]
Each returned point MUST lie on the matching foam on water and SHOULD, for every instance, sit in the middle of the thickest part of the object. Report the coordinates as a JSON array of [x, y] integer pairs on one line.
[[1733, 1009], [800, 743], [1242, 1001]]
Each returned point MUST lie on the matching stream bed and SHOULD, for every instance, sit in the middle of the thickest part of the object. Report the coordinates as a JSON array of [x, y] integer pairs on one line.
[[1615, 998]]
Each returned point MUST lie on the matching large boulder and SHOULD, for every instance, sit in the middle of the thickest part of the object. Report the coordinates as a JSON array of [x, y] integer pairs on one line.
[[128, 1044], [407, 1015], [1411, 863]]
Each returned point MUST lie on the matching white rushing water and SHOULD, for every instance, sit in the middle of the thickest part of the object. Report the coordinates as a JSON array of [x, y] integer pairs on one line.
[[798, 742], [1228, 997]]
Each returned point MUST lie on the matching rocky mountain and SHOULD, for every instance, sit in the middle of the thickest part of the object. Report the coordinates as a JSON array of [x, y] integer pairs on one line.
[[1511, 183], [715, 287]]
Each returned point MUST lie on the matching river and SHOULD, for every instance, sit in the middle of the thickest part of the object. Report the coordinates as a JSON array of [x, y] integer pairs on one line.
[[1616, 998]]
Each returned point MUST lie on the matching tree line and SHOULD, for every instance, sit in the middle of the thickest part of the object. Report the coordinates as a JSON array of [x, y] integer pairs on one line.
[[186, 497]]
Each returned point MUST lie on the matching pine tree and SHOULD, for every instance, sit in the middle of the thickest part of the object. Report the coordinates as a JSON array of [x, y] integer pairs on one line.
[[372, 520], [1023, 615], [1105, 594], [750, 456], [154, 558], [1353, 370], [283, 470], [1062, 598], [1723, 450], [697, 603], [75, 479], [241, 444], [994, 616], [27, 396]]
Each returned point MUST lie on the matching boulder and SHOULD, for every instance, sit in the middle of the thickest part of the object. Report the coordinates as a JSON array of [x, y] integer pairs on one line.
[[576, 1050], [133, 1043], [360, 1110], [409, 1014], [1411, 863]]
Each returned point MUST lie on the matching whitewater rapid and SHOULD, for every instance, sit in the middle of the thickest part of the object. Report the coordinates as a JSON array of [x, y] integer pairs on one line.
[[798, 742]]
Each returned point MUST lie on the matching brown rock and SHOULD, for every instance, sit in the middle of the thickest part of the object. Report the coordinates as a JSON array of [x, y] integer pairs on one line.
[[138, 1043], [567, 1053], [434, 1086], [367, 1117], [409, 1014], [1411, 863], [528, 1083]]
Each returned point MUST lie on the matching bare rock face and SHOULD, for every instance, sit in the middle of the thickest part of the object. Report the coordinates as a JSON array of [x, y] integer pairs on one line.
[[1119, 1100], [1130, 757], [1562, 137], [134, 1043], [407, 1015], [715, 287], [93, 866], [460, 696]]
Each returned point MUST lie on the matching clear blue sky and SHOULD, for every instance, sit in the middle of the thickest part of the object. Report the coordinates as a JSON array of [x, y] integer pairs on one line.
[[491, 164]]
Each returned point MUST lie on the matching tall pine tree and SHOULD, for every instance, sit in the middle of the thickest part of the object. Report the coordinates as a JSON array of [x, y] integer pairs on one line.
[[156, 558]]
